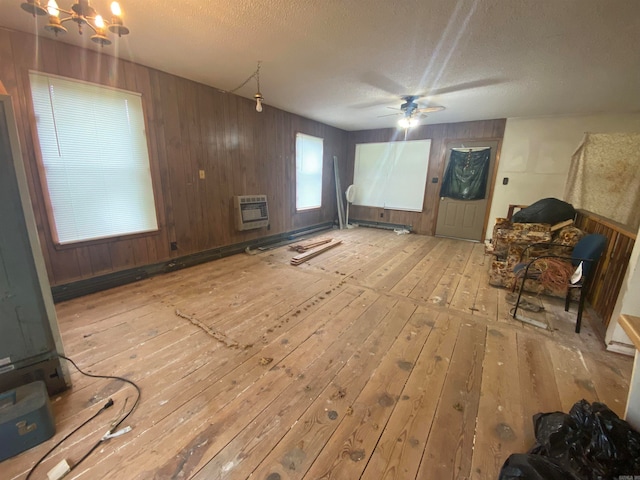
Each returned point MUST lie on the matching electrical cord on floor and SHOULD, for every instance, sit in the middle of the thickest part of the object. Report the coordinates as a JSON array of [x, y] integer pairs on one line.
[[110, 377], [113, 427], [106, 405]]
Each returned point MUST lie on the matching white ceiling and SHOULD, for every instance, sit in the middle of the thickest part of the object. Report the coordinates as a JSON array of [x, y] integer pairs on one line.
[[343, 62]]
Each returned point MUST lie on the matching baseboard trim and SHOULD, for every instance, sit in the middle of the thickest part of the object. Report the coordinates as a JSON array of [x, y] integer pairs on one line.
[[623, 348], [79, 288], [386, 226]]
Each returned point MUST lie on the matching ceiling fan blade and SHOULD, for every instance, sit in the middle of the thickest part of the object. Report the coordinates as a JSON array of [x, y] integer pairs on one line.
[[463, 86], [390, 114], [431, 109], [382, 82], [369, 104], [390, 86]]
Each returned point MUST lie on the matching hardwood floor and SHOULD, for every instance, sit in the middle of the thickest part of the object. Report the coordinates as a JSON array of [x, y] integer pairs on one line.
[[388, 356]]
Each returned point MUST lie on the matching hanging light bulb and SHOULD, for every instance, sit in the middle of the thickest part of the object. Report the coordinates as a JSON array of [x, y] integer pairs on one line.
[[52, 8], [259, 99], [258, 96], [54, 24], [115, 9], [117, 25], [100, 37]]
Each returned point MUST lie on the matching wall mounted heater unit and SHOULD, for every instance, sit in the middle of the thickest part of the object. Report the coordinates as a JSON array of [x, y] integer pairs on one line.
[[251, 211]]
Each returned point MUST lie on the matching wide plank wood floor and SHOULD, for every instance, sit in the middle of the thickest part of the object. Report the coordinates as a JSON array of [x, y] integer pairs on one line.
[[387, 357]]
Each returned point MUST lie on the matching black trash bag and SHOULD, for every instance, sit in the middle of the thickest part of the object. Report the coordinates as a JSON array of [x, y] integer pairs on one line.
[[609, 446], [589, 443], [525, 466], [547, 210]]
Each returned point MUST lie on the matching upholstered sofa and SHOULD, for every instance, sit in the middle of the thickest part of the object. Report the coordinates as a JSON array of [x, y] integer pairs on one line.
[[516, 243]]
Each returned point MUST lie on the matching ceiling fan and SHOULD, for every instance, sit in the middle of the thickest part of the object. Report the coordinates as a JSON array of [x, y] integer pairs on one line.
[[394, 89], [411, 111]]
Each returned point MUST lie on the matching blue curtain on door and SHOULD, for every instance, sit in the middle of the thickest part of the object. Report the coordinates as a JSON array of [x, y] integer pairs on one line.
[[466, 175]]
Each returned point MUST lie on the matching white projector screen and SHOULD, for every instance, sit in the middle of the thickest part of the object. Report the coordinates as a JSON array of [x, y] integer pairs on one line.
[[391, 175]]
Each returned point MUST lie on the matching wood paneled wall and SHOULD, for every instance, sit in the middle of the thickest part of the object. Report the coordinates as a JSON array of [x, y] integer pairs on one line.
[[190, 127], [422, 222], [604, 291]]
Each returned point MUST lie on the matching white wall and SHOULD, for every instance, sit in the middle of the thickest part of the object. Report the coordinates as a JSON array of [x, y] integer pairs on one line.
[[536, 153], [535, 156]]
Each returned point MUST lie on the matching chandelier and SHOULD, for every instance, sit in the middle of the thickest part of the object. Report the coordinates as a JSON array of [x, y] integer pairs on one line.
[[81, 13]]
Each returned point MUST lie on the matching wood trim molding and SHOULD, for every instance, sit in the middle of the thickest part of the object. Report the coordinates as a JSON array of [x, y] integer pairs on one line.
[[631, 325]]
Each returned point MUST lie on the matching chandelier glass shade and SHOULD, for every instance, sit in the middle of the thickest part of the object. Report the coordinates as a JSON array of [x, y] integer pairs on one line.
[[81, 13]]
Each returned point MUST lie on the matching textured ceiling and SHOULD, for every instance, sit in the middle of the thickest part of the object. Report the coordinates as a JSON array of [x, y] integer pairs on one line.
[[343, 62]]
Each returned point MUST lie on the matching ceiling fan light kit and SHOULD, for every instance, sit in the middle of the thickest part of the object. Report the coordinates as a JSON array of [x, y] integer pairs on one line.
[[408, 122], [412, 112], [82, 13]]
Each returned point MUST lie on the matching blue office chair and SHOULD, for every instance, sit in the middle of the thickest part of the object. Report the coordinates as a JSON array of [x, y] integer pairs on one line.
[[585, 254]]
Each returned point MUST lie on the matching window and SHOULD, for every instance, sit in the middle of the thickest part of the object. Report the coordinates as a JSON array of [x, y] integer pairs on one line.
[[309, 152], [95, 159]]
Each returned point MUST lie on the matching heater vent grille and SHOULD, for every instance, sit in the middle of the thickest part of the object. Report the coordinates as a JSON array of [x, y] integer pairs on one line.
[[251, 211]]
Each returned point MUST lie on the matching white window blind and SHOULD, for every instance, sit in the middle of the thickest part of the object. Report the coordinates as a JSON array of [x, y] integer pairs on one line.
[[391, 175], [95, 159], [309, 152]]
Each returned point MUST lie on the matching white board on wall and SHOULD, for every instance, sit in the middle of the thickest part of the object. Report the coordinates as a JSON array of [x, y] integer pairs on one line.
[[391, 175]]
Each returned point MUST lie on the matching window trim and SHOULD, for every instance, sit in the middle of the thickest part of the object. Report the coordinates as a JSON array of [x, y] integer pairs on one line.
[[295, 175], [51, 228]]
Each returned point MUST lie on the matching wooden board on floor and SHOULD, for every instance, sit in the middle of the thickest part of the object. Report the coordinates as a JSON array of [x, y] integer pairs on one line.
[[500, 419], [573, 378], [309, 244], [466, 294], [451, 449], [539, 391], [303, 257], [399, 450]]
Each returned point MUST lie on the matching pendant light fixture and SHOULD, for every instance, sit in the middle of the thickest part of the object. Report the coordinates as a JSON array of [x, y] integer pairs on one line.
[[81, 13], [258, 96]]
